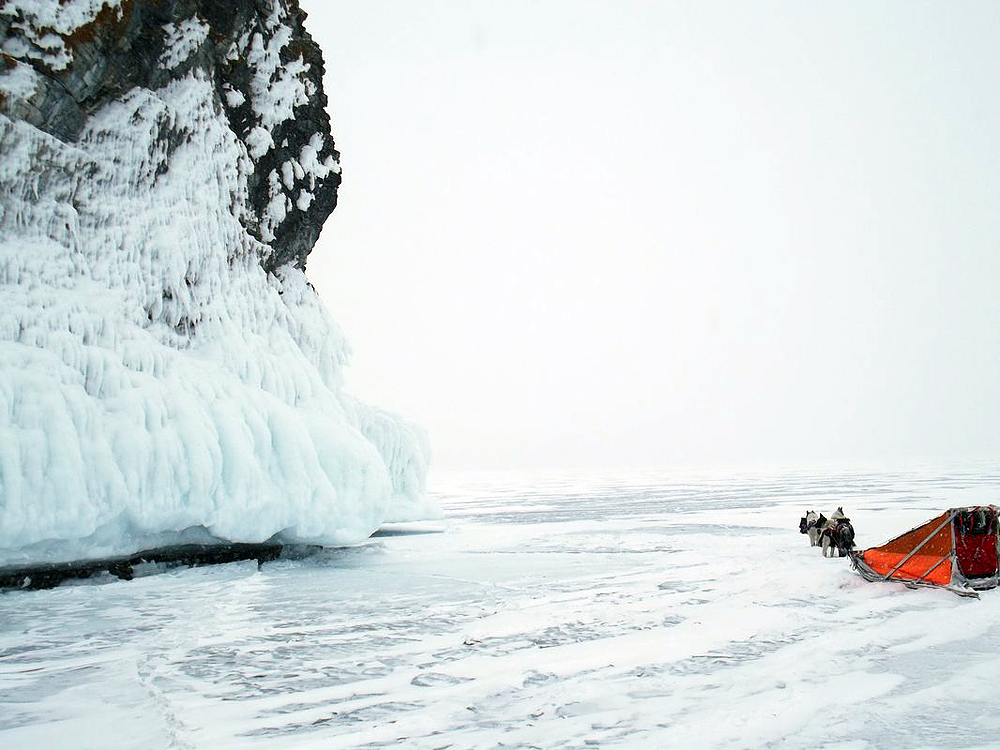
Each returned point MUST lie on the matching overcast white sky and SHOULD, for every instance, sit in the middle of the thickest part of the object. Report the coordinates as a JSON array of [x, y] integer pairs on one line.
[[611, 234]]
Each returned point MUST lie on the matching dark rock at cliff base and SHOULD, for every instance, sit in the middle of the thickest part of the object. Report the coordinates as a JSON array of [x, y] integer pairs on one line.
[[266, 71], [126, 567]]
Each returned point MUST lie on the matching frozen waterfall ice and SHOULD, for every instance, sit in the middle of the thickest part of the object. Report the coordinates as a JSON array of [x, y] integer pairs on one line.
[[156, 381]]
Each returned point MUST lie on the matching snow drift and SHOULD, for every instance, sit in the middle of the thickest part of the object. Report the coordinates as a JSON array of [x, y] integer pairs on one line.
[[166, 370]]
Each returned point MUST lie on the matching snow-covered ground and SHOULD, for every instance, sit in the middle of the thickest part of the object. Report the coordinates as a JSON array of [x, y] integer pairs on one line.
[[638, 611]]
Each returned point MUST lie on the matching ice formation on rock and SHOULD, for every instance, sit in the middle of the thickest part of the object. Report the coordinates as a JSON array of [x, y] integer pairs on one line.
[[166, 370]]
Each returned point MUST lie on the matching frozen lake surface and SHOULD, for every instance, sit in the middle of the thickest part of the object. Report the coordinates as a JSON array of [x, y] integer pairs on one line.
[[638, 611]]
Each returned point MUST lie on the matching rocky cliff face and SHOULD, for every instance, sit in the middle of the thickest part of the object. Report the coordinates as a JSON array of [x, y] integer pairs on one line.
[[165, 367], [265, 72]]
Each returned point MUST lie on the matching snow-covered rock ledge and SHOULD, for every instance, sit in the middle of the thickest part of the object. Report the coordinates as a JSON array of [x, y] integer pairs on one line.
[[165, 366]]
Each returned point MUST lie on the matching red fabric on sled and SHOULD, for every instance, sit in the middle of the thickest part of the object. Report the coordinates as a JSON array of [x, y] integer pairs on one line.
[[934, 542], [938, 547], [914, 569], [976, 553]]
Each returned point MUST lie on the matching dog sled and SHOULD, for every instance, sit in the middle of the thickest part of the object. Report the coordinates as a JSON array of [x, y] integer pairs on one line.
[[957, 550]]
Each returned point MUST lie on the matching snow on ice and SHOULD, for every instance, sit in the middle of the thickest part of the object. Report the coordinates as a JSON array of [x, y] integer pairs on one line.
[[621, 611]]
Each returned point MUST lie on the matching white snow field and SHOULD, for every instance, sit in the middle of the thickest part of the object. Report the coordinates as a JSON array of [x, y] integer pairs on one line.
[[640, 611]]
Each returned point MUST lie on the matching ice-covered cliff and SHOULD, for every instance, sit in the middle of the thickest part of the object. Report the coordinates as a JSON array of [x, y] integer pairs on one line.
[[165, 367]]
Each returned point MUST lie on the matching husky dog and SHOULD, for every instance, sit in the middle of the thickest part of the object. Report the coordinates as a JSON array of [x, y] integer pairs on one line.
[[837, 535], [812, 523]]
